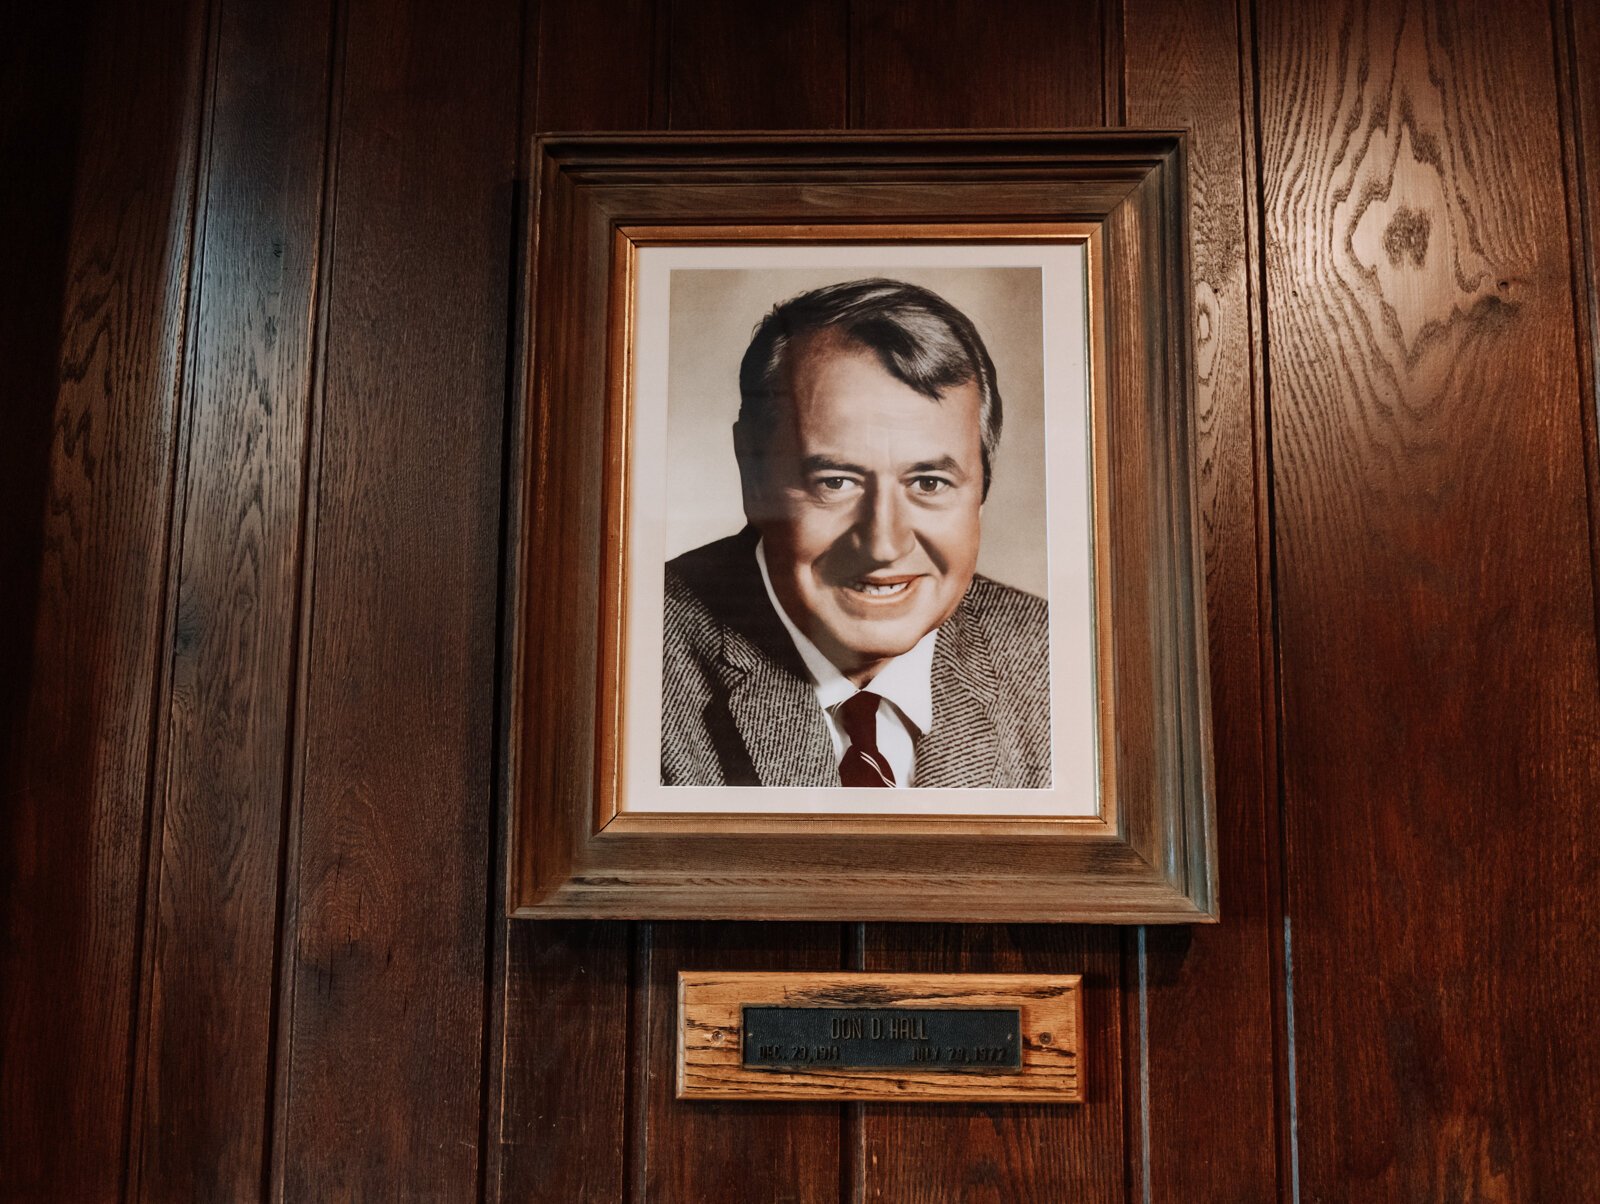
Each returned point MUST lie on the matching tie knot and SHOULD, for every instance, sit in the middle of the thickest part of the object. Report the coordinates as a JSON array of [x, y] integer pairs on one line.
[[859, 714]]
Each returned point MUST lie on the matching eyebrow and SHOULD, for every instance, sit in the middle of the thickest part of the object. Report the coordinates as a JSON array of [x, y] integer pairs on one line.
[[829, 464], [942, 464], [947, 464]]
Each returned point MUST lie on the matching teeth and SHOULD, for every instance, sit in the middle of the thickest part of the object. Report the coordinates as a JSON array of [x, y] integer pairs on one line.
[[879, 591]]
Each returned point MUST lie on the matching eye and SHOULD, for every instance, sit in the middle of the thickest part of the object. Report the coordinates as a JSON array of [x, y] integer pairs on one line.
[[834, 486], [929, 486]]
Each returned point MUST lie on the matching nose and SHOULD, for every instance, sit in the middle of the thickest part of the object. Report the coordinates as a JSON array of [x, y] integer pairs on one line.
[[885, 533]]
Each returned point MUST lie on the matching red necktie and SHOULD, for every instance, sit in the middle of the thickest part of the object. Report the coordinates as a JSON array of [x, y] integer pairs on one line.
[[863, 764]]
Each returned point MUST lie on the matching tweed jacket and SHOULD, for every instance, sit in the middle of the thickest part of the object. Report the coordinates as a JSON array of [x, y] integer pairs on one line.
[[738, 708]]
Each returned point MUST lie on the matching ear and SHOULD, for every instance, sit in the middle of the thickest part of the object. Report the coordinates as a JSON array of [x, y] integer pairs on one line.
[[751, 472]]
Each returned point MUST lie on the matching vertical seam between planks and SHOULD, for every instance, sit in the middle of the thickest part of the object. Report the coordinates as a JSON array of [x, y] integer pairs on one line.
[[1144, 1064], [856, 65], [1290, 1068], [1585, 320], [491, 1081], [636, 1084], [848, 121], [203, 97], [1113, 64], [661, 66], [1276, 810], [280, 1040], [1273, 804], [1134, 1064], [852, 1129]]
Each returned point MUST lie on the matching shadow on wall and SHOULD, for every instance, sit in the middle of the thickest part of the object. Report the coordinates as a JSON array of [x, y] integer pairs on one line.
[[41, 91]]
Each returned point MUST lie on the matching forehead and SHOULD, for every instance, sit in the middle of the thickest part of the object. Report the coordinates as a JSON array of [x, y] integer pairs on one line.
[[840, 393]]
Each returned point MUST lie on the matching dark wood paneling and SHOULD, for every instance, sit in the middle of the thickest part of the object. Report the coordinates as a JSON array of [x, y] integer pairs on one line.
[[1441, 728], [1209, 991], [1582, 43], [102, 111], [692, 1152], [964, 64], [928, 1154], [740, 66], [560, 1131], [390, 871], [1431, 413], [206, 1085], [600, 65]]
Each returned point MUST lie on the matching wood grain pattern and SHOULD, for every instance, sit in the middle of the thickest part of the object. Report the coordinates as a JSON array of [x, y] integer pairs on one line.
[[391, 869], [738, 66], [558, 1129], [599, 65], [1441, 726], [102, 110], [1209, 1051], [1434, 542], [963, 64], [689, 1151], [710, 1036], [204, 1101], [921, 1154], [1582, 46]]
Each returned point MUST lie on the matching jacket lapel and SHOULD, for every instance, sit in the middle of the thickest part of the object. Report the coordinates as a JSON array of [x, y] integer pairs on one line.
[[784, 729], [963, 748], [769, 693]]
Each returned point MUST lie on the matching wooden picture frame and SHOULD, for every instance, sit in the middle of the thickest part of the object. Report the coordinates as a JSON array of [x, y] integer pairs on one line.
[[1147, 853]]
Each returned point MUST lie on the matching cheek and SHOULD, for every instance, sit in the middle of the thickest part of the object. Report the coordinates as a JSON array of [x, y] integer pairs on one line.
[[812, 529], [952, 537]]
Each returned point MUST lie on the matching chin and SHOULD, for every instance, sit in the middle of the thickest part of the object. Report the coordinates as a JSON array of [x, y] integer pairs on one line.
[[878, 642]]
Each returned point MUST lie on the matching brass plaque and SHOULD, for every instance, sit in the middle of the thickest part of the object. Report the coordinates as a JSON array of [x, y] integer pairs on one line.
[[944, 1040], [857, 1036]]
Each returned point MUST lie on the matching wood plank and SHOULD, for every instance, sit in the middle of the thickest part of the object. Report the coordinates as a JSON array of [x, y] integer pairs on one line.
[[1441, 725], [390, 874], [1210, 993], [206, 1075], [716, 1037], [696, 1152], [600, 65], [915, 1154], [560, 1130], [758, 67], [559, 1086], [97, 149], [964, 64], [1583, 195]]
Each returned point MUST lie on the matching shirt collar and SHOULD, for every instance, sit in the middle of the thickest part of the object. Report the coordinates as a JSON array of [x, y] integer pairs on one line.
[[906, 681]]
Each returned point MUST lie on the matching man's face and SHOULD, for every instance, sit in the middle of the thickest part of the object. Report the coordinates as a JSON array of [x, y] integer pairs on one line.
[[867, 500]]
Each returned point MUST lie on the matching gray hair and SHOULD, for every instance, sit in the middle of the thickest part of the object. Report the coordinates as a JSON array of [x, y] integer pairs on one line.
[[922, 340]]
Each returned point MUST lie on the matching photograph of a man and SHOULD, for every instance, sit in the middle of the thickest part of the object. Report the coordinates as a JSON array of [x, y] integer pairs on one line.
[[844, 636]]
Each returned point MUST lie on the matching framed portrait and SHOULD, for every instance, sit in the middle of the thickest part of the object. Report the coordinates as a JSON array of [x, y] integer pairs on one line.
[[856, 563]]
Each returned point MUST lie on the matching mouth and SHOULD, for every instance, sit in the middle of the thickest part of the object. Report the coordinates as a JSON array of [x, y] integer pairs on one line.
[[881, 587]]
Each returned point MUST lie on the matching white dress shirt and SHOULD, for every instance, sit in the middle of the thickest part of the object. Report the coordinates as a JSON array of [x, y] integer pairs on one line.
[[904, 686]]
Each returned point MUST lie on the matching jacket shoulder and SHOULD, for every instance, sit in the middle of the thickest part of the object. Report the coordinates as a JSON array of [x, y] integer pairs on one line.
[[1015, 623], [706, 588]]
